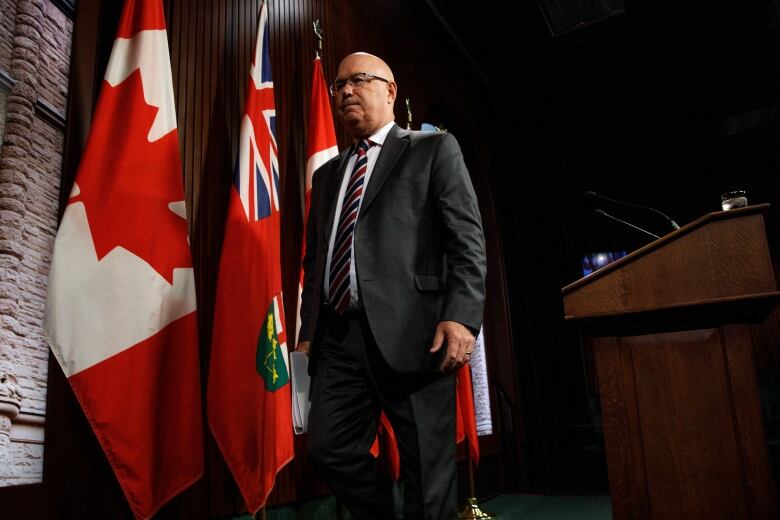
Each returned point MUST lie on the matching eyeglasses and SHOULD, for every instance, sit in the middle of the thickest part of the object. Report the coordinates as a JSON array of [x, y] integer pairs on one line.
[[355, 81]]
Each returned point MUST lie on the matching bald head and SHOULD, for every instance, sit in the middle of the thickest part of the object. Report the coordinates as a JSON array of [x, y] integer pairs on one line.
[[364, 104], [370, 63]]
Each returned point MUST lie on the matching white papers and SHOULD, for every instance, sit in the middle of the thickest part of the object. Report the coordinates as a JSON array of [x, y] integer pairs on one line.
[[480, 387], [299, 370]]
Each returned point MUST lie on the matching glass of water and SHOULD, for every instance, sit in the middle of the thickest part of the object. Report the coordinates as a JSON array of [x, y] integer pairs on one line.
[[733, 200]]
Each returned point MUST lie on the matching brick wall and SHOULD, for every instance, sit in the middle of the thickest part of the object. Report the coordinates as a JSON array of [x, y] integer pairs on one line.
[[7, 23], [55, 57], [2, 116], [30, 162], [40, 224]]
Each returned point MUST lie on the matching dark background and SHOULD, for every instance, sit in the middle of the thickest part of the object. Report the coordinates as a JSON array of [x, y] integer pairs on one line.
[[666, 105]]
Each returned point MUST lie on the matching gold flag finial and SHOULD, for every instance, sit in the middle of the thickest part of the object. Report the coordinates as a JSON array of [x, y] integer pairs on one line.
[[318, 34]]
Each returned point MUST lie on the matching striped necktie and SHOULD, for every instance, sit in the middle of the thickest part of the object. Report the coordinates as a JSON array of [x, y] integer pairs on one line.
[[339, 291]]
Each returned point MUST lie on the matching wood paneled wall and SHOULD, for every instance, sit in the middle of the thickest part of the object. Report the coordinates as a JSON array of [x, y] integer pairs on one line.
[[211, 44]]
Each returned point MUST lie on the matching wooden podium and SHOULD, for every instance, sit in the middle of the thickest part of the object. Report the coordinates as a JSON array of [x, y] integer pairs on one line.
[[681, 414]]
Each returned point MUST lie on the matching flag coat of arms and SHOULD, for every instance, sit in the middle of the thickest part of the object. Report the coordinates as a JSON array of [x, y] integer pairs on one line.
[[120, 310], [249, 397]]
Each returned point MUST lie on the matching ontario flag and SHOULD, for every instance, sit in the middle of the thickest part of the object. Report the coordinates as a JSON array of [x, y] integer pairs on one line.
[[320, 148], [249, 399], [120, 311]]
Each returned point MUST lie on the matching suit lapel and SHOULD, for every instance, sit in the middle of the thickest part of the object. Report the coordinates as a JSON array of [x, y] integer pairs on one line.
[[394, 145], [331, 195]]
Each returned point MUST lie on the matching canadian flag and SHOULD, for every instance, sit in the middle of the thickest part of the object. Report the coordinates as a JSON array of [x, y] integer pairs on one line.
[[120, 311], [320, 148]]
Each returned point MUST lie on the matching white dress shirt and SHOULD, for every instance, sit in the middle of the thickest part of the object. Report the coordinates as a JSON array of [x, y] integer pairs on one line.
[[373, 153]]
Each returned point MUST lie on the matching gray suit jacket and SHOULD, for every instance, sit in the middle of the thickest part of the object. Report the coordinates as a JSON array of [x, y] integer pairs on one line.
[[419, 246]]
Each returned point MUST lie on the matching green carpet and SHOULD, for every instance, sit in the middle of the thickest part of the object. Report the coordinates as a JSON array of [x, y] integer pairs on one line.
[[541, 507], [506, 507]]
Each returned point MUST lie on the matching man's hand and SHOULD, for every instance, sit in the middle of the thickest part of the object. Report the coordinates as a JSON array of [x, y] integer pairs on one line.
[[460, 344], [303, 346]]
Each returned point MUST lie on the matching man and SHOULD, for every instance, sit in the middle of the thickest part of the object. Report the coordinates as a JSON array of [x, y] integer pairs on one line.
[[393, 294]]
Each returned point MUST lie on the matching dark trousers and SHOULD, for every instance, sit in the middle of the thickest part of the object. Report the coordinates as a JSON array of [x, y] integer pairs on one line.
[[351, 385]]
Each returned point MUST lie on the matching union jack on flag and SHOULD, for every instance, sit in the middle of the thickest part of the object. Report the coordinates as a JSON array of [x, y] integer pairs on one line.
[[256, 176]]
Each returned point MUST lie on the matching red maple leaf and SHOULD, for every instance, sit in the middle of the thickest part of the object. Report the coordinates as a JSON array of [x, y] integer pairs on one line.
[[127, 183]]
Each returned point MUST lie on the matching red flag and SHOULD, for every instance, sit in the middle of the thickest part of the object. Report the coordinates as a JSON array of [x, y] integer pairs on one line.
[[464, 406], [249, 400], [466, 427], [320, 148], [120, 310], [386, 443]]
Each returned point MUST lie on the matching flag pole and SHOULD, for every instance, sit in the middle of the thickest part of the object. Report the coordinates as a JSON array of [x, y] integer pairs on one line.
[[472, 510]]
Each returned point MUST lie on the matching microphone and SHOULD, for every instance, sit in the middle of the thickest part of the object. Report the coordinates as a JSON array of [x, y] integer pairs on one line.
[[594, 195], [629, 224]]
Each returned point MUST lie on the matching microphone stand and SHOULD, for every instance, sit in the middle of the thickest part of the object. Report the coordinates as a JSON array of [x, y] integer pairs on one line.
[[666, 217], [629, 224]]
